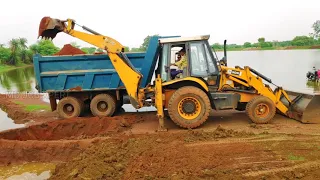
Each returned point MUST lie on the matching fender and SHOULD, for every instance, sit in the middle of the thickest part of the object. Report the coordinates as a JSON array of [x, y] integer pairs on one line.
[[194, 79]]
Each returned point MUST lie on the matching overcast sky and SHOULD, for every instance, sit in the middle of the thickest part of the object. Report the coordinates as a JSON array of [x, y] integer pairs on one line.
[[130, 21]]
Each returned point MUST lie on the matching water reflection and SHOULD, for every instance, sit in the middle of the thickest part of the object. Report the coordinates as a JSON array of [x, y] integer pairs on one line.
[[18, 80], [7, 123]]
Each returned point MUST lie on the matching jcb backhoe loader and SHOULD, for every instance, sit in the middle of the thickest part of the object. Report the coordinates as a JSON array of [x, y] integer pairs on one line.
[[205, 84]]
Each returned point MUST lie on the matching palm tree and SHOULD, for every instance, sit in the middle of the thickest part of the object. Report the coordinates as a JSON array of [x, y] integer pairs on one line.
[[14, 47], [23, 43]]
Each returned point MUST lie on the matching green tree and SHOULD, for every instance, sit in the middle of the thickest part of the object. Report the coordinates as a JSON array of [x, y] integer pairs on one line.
[[136, 50], [74, 44], [44, 47], [14, 48], [126, 49], [261, 40], [145, 43], [89, 50], [23, 50], [99, 50], [302, 41], [247, 44], [4, 54], [316, 29], [217, 46]]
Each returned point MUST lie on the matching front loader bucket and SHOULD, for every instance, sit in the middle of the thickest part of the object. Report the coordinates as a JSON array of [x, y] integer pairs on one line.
[[50, 27], [304, 107]]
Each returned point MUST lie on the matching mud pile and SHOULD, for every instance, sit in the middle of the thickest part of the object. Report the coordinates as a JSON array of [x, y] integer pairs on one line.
[[15, 152], [59, 140], [68, 49], [139, 156]]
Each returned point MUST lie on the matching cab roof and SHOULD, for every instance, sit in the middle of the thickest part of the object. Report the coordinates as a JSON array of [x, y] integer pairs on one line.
[[183, 39]]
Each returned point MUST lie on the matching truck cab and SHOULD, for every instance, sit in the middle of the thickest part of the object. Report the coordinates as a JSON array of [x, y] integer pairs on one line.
[[201, 62]]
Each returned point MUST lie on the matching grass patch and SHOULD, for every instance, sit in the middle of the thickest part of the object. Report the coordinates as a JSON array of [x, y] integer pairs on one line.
[[33, 107], [295, 158], [36, 107]]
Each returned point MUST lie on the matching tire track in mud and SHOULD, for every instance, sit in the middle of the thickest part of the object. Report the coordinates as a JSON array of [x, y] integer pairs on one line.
[[243, 140], [307, 165]]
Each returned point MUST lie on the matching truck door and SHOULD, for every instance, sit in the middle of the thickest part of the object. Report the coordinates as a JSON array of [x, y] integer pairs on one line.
[[168, 56], [202, 63]]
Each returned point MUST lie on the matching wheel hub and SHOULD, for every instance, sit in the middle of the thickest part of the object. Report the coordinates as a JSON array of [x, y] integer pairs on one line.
[[69, 108], [262, 110], [102, 106], [189, 107]]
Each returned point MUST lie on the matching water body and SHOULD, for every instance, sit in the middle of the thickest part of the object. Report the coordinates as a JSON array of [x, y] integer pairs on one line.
[[286, 68], [7, 123]]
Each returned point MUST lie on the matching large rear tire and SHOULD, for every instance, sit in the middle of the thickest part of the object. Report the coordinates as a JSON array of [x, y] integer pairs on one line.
[[261, 110], [189, 107], [103, 105], [69, 107]]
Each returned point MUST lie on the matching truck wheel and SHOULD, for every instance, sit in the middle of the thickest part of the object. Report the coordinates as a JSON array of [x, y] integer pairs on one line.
[[103, 105], [261, 110], [189, 107], [69, 107]]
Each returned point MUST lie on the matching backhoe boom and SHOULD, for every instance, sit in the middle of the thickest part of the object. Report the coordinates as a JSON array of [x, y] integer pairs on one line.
[[128, 74]]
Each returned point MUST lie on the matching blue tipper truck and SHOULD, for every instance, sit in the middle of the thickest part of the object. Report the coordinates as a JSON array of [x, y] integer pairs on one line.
[[85, 76]]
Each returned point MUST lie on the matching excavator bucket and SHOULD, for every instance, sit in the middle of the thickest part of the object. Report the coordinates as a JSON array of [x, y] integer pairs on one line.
[[304, 107], [50, 27]]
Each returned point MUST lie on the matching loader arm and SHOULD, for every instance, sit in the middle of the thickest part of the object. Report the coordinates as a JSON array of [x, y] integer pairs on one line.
[[128, 74], [291, 106]]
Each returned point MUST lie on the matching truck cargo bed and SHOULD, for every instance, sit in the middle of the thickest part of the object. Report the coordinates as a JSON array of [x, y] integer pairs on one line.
[[90, 72]]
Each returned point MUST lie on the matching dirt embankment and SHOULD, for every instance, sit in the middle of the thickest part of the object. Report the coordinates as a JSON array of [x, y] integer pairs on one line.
[[48, 136], [14, 104], [219, 154]]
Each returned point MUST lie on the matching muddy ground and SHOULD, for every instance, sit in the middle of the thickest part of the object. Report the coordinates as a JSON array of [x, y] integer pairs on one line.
[[126, 146]]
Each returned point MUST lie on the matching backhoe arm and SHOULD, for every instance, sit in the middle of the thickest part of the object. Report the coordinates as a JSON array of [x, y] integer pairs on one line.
[[128, 74]]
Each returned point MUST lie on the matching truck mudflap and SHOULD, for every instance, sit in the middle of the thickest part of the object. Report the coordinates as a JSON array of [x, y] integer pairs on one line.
[[304, 107]]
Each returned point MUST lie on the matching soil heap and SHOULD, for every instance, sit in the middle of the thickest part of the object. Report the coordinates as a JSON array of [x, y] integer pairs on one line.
[[68, 49]]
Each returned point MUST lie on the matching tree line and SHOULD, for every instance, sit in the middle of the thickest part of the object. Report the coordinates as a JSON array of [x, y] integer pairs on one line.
[[298, 41], [17, 50]]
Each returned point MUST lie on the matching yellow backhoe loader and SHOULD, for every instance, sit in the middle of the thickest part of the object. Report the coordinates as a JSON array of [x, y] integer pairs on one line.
[[205, 83]]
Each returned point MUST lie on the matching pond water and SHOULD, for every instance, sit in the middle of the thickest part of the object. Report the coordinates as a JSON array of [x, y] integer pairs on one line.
[[7, 123], [286, 68]]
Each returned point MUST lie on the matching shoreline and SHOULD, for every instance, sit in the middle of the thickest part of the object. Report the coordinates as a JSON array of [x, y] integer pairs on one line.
[[272, 48], [6, 68]]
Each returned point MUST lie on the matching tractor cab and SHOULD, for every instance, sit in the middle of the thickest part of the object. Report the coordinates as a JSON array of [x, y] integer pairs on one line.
[[199, 59]]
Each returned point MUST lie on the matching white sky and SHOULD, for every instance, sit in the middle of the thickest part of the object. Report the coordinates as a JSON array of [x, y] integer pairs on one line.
[[130, 21]]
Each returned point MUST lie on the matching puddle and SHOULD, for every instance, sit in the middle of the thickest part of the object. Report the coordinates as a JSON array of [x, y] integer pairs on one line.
[[130, 108], [34, 171], [7, 123]]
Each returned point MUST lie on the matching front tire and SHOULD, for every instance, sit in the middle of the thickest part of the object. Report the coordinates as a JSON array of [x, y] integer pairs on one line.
[[261, 110], [189, 107], [103, 105]]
